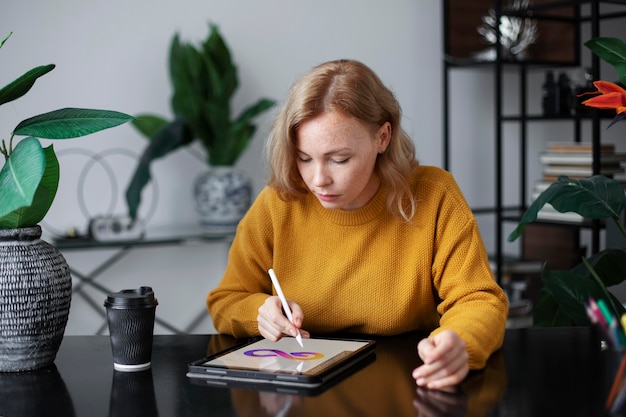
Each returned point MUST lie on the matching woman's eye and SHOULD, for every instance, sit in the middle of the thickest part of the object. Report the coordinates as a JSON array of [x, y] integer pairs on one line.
[[341, 161], [304, 159]]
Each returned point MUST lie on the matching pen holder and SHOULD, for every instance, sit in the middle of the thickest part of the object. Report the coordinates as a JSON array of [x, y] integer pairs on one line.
[[612, 328], [616, 399]]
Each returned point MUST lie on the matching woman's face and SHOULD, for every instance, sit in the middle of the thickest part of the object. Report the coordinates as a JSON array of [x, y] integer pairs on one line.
[[336, 158]]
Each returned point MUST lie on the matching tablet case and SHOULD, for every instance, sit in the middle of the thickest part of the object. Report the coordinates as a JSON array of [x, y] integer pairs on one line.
[[263, 364]]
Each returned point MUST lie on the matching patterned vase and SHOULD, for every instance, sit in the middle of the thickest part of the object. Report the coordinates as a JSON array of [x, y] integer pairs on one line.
[[35, 295], [222, 195]]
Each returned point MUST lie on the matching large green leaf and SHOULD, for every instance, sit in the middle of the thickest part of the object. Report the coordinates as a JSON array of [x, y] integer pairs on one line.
[[70, 123], [46, 191], [23, 84], [185, 69], [42, 201], [170, 137], [222, 70], [548, 313], [572, 292], [597, 197], [20, 176], [226, 149], [611, 50], [149, 124], [566, 295], [609, 265]]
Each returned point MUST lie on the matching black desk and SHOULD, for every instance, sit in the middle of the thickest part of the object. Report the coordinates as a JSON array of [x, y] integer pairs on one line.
[[552, 372]]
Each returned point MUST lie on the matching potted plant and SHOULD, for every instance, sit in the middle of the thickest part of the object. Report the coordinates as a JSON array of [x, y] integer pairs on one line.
[[204, 80], [35, 283], [565, 295]]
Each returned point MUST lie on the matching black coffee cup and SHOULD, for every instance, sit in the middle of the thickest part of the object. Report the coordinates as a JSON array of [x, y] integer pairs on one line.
[[130, 315]]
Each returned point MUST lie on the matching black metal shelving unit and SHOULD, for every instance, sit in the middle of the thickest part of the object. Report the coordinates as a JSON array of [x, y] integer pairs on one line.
[[575, 14]]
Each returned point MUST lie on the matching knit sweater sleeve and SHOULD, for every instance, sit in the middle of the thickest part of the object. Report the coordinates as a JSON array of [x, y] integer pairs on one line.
[[472, 303], [245, 285]]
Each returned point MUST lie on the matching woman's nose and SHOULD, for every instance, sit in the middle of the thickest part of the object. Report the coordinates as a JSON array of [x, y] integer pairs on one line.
[[321, 176]]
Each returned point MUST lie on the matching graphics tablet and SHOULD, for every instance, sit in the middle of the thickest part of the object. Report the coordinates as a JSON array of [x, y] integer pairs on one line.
[[283, 363]]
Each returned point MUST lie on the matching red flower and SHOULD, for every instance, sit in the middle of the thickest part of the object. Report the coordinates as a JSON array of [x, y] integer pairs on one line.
[[612, 96]]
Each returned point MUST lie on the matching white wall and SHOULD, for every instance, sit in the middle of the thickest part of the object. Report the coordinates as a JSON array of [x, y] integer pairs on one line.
[[113, 55]]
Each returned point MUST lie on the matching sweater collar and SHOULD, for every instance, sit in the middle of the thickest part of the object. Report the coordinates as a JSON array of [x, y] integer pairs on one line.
[[362, 215]]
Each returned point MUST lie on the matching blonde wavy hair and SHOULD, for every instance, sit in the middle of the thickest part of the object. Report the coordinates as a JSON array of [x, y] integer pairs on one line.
[[353, 88]]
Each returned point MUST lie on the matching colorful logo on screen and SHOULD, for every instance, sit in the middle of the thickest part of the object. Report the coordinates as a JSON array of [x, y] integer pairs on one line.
[[296, 356]]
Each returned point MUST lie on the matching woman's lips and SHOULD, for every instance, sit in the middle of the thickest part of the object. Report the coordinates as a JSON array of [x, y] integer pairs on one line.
[[327, 197]]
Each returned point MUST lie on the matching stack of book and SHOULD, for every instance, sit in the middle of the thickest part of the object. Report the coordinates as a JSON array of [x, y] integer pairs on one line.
[[574, 160]]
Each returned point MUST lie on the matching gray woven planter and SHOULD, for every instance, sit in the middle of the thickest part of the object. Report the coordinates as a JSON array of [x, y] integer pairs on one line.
[[35, 295]]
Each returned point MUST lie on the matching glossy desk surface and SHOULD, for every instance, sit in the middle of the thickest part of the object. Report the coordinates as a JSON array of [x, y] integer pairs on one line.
[[539, 371]]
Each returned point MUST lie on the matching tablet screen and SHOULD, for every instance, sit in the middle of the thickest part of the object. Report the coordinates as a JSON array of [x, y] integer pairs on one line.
[[287, 356]]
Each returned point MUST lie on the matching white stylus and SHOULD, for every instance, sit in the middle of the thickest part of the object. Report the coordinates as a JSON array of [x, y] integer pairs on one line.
[[283, 300]]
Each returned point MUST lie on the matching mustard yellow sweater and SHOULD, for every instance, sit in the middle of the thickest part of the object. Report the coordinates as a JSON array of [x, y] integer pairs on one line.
[[365, 271]]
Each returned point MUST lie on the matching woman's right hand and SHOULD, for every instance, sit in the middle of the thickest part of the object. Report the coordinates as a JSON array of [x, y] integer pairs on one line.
[[272, 323]]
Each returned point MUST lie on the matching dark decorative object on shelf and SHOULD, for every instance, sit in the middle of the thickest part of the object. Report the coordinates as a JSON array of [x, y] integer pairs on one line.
[[516, 34], [549, 95], [35, 296], [557, 95]]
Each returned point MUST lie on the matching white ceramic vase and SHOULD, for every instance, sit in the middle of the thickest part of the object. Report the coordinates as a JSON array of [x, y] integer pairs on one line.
[[222, 196]]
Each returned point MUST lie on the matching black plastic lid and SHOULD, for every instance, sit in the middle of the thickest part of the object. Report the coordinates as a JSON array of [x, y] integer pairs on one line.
[[139, 298]]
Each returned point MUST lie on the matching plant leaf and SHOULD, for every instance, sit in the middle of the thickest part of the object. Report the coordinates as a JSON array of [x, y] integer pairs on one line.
[[596, 197], [32, 214], [609, 264], [70, 123], [222, 70], [172, 136], [23, 84], [5, 39], [21, 175], [44, 195], [149, 124], [611, 50], [547, 312], [571, 292], [241, 132], [187, 81], [616, 119]]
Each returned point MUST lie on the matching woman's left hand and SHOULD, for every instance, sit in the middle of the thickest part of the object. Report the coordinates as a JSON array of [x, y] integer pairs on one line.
[[445, 361]]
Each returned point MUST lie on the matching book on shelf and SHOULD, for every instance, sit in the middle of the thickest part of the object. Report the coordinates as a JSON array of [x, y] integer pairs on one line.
[[573, 160], [581, 170], [579, 147], [541, 185], [580, 158]]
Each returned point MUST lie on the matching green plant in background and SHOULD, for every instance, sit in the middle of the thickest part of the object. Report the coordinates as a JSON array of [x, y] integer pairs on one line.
[[204, 80], [29, 177], [565, 294]]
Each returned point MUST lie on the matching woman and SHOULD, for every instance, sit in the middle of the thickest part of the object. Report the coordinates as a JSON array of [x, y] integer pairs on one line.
[[363, 239]]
